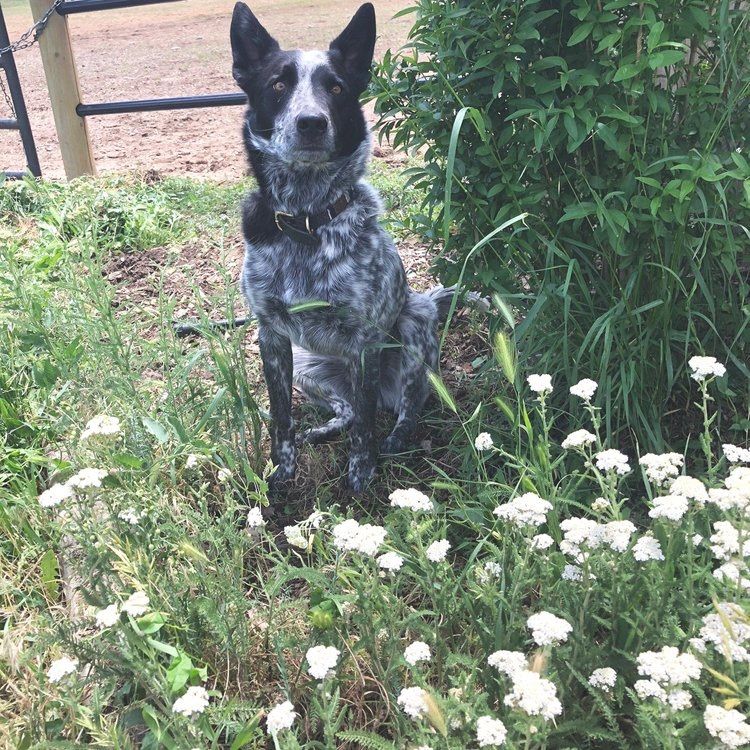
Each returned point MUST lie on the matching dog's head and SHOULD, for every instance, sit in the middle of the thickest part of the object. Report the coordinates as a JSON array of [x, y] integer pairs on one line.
[[303, 106]]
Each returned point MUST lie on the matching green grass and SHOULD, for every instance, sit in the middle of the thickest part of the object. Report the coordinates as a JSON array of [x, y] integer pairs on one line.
[[236, 609]]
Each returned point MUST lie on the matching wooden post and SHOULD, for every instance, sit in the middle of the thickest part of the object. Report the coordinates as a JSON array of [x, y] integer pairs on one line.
[[64, 92]]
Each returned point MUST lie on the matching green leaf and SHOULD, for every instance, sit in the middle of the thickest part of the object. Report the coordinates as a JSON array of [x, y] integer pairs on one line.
[[654, 36], [248, 733], [157, 429], [580, 33], [304, 306], [50, 573], [626, 71], [151, 623]]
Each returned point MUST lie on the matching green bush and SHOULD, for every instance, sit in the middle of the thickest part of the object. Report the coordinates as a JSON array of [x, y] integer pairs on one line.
[[621, 129]]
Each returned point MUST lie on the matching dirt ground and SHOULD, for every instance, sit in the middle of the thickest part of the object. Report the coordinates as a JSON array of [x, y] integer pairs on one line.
[[174, 49]]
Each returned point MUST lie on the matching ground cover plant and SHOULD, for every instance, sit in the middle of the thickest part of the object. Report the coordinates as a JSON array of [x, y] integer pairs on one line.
[[526, 586], [619, 131]]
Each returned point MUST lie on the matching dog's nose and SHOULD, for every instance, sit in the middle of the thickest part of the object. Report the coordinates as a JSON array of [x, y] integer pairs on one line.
[[312, 124]]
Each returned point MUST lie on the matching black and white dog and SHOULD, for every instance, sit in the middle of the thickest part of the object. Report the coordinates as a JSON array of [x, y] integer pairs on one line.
[[334, 311]]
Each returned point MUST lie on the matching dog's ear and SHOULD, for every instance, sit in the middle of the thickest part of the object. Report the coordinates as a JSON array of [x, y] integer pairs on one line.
[[250, 44], [355, 46]]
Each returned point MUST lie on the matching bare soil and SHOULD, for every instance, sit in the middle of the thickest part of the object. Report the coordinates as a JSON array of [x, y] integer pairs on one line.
[[174, 49]]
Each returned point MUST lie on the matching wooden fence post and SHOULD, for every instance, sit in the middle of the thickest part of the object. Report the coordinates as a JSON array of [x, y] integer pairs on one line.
[[64, 92]]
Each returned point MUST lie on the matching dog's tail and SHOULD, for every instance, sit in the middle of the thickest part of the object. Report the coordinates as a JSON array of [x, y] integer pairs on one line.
[[443, 298]]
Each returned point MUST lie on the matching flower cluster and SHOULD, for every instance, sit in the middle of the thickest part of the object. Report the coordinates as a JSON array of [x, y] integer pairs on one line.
[[82, 480], [490, 732], [647, 548], [612, 460], [280, 717], [667, 670], [525, 510], [729, 727], [541, 384], [193, 703], [322, 661], [412, 701], [547, 629], [603, 678], [584, 389], [661, 467], [736, 455], [101, 427], [578, 439], [533, 695], [483, 441], [705, 367], [351, 536], [412, 499], [416, 652]]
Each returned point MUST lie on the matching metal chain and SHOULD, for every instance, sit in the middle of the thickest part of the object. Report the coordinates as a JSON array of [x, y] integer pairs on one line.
[[7, 98], [31, 36]]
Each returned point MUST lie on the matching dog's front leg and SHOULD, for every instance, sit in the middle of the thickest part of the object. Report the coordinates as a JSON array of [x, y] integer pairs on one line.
[[363, 452], [276, 353]]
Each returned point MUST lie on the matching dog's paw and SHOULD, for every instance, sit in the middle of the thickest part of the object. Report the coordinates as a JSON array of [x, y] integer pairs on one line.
[[392, 445], [281, 481], [361, 472]]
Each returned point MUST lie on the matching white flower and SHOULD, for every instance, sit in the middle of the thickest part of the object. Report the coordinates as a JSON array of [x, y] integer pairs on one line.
[[726, 541], [672, 507], [107, 617], [483, 441], [321, 660], [364, 538], [668, 667], [679, 700], [526, 510], [412, 701], [417, 651], [600, 505], [224, 474], [729, 727], [136, 604], [698, 644], [603, 678], [689, 487], [542, 541], [193, 703], [547, 629], [572, 573], [534, 695], [578, 439], [55, 495], [661, 467], [295, 537], [727, 639], [131, 516], [87, 478], [739, 481], [736, 455], [612, 460], [647, 548], [193, 460], [584, 389], [411, 498], [391, 561], [706, 367], [540, 384], [101, 426], [255, 519], [650, 689], [508, 662], [314, 519], [281, 716], [697, 539], [617, 534], [490, 569], [61, 668], [490, 732], [731, 572], [437, 551]]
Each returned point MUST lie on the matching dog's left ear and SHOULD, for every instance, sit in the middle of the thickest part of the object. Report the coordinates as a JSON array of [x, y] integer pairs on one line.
[[355, 46]]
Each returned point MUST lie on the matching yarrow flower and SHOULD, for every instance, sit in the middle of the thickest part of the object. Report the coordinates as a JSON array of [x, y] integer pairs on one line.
[[416, 652], [193, 703], [136, 604], [391, 561], [706, 367], [572, 573], [729, 727], [603, 678], [726, 541], [412, 701], [437, 551], [224, 474], [672, 507], [280, 717], [483, 441], [612, 460], [295, 537], [87, 478], [192, 461], [55, 495], [255, 519], [584, 389], [526, 510], [321, 660], [540, 384], [131, 516], [578, 439], [736, 455], [412, 499], [668, 667], [61, 667], [727, 632], [351, 536], [490, 732], [661, 467], [542, 542], [647, 548], [547, 629], [490, 569], [534, 695], [101, 426], [600, 505], [689, 487], [508, 662], [107, 617]]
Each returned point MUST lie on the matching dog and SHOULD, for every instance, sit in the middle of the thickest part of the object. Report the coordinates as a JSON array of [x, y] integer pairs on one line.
[[335, 314]]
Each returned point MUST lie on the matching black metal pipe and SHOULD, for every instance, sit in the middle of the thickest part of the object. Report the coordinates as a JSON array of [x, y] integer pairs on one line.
[[16, 95], [156, 105], [84, 6], [8, 124]]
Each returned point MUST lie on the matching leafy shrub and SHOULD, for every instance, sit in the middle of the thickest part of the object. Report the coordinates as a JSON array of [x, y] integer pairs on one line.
[[621, 129]]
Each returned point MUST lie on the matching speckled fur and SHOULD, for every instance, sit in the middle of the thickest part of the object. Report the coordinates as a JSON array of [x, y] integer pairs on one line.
[[371, 345]]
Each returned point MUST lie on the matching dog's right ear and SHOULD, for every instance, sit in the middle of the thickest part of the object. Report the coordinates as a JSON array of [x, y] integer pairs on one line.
[[250, 44]]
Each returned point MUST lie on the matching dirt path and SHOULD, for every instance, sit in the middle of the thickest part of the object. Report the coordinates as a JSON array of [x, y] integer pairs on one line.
[[173, 49]]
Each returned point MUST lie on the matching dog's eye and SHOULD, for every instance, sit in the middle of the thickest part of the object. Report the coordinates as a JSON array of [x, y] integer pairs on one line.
[[279, 87], [336, 89]]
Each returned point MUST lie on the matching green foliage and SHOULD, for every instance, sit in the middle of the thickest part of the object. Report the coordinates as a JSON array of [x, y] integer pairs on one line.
[[622, 130]]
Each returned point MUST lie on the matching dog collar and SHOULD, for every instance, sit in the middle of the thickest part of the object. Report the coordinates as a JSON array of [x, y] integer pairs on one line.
[[303, 228]]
